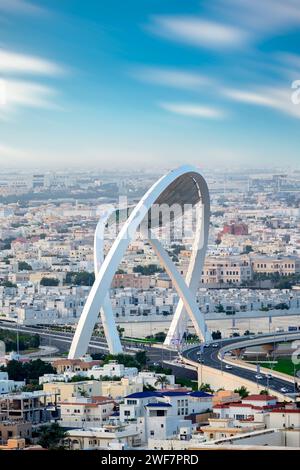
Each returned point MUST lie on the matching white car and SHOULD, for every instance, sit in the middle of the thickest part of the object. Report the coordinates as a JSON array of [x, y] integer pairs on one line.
[[258, 377], [284, 390], [228, 366], [269, 376], [215, 345]]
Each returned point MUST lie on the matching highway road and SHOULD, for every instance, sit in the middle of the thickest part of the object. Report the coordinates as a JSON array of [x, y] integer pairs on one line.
[[210, 358], [155, 355]]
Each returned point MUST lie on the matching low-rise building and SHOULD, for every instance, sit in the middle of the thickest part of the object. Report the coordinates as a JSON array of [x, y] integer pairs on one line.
[[35, 407], [160, 415], [114, 437], [62, 391], [85, 412], [15, 429], [8, 386]]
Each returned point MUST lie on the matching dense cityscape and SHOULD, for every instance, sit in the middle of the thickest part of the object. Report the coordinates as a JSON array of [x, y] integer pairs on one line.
[[151, 396], [149, 232]]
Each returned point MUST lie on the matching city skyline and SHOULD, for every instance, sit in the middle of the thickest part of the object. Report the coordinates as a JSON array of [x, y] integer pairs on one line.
[[138, 85]]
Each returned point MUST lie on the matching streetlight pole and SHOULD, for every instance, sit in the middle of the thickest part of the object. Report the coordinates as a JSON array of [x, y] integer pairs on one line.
[[18, 345]]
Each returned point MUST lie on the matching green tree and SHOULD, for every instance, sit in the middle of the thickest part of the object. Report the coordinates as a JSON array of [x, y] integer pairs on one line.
[[162, 381], [216, 335], [23, 266], [242, 391], [219, 308], [52, 436], [148, 388], [82, 278], [204, 387], [49, 281], [141, 358], [148, 270], [8, 284], [28, 371]]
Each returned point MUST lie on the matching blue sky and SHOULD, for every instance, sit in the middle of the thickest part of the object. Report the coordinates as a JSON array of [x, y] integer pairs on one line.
[[149, 83]]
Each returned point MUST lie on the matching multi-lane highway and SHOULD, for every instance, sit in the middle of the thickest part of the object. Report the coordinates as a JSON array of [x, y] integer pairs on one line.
[[97, 344], [212, 353], [210, 356]]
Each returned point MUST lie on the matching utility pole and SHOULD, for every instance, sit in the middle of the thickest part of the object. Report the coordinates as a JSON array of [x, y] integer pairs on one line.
[[18, 345]]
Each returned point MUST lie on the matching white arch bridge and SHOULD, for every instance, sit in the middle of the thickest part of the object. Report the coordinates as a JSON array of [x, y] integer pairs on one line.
[[182, 187]]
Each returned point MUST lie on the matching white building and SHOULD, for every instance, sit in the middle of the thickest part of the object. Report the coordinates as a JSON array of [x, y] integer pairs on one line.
[[85, 412], [114, 437], [160, 415], [8, 386]]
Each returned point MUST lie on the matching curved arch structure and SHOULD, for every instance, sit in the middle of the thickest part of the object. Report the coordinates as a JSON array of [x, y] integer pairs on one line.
[[182, 186]]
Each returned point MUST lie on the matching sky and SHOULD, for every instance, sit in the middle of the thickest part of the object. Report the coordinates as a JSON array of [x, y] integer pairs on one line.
[[149, 83]]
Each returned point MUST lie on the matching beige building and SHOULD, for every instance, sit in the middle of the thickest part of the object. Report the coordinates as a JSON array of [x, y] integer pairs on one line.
[[74, 365], [120, 388], [66, 391], [288, 417], [14, 429], [225, 396], [219, 428], [108, 437], [83, 412], [133, 280], [285, 266], [226, 270], [37, 276], [14, 444]]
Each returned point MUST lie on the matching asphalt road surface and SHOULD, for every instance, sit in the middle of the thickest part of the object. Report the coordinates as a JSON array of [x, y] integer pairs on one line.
[[211, 359]]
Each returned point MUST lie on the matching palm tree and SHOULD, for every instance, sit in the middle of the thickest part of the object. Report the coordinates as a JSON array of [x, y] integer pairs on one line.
[[205, 388], [162, 380]]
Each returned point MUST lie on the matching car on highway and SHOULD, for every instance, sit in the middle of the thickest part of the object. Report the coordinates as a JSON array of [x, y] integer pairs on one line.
[[215, 345], [269, 376], [258, 377], [228, 366], [284, 390]]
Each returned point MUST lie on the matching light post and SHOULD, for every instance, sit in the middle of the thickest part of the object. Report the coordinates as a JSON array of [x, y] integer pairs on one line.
[[18, 345]]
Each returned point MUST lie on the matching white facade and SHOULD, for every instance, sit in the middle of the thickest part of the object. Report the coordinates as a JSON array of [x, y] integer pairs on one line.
[[8, 386], [160, 415], [190, 188], [85, 412]]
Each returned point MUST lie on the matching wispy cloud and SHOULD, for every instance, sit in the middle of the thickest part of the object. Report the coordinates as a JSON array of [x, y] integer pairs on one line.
[[275, 98], [19, 93], [7, 151], [27, 64], [193, 110], [16, 92], [29, 94], [20, 7], [197, 32], [260, 16], [171, 77]]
